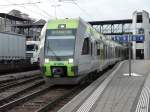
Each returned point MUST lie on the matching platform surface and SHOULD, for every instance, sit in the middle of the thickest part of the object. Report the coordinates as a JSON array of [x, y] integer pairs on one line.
[[118, 92]]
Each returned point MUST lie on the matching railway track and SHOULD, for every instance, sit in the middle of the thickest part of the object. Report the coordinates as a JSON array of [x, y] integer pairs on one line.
[[39, 100], [20, 91], [5, 80], [24, 98], [56, 104], [35, 96], [11, 90], [13, 83]]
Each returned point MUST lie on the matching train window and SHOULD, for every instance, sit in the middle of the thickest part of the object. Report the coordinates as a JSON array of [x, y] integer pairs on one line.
[[98, 52], [106, 52], [85, 48], [91, 49], [98, 48], [109, 52]]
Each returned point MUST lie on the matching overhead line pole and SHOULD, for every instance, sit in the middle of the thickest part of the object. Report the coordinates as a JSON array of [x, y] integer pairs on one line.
[[129, 55]]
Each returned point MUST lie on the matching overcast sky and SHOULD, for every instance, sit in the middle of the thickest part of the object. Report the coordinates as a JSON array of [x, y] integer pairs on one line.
[[89, 10]]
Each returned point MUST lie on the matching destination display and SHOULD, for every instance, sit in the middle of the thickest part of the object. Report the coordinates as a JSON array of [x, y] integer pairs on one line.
[[60, 32]]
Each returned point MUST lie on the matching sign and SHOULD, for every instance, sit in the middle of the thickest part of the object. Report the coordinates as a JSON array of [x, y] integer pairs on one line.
[[60, 32], [126, 38], [119, 38], [140, 38]]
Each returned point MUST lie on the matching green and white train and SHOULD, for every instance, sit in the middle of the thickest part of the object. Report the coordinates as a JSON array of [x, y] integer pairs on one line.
[[71, 49]]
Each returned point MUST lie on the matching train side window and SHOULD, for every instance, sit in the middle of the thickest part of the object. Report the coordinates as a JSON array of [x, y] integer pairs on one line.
[[86, 47], [98, 48], [91, 48], [107, 52]]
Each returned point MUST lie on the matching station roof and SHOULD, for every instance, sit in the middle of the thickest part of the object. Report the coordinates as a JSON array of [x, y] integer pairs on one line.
[[11, 17], [124, 21]]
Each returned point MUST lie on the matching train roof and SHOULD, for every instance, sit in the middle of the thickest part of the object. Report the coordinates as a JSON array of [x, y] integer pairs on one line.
[[69, 23]]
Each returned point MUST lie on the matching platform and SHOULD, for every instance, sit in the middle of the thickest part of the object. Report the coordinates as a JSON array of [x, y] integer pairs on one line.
[[118, 92]]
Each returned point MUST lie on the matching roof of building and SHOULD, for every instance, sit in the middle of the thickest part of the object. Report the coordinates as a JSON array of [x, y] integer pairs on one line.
[[11, 17]]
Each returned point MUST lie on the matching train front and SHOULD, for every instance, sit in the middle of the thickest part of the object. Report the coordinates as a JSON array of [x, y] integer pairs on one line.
[[59, 49]]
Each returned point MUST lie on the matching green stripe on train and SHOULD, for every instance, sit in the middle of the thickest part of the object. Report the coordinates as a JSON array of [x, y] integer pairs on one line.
[[70, 23]]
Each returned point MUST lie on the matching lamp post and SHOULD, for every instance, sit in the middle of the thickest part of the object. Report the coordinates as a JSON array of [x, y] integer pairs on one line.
[[129, 43], [129, 57]]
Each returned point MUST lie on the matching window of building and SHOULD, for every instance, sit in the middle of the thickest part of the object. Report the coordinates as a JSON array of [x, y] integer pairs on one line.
[[140, 31], [86, 47], [139, 18]]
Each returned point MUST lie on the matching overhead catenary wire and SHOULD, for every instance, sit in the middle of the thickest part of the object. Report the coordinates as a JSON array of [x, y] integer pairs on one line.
[[54, 5], [62, 11], [14, 4], [37, 12], [43, 11], [3, 9], [83, 10]]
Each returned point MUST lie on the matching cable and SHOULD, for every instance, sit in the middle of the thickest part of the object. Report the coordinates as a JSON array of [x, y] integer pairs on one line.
[[3, 8], [72, 1], [53, 6], [84, 11], [29, 3], [62, 12], [43, 10], [31, 10]]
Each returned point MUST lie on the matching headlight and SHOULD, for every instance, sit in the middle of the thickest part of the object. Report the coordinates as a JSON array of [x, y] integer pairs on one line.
[[70, 60], [46, 60]]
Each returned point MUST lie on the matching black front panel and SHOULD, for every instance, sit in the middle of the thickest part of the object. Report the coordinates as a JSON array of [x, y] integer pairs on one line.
[[59, 71]]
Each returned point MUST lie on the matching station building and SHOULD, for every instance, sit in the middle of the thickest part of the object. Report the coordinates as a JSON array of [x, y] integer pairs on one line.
[[141, 25]]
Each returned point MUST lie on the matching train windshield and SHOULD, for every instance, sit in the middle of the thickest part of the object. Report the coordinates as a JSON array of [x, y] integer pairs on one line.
[[59, 45]]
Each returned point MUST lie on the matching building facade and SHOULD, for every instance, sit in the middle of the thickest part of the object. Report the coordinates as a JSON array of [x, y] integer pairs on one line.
[[141, 25]]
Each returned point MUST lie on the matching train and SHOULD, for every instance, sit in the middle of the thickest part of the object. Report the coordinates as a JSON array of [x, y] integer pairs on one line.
[[71, 49]]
